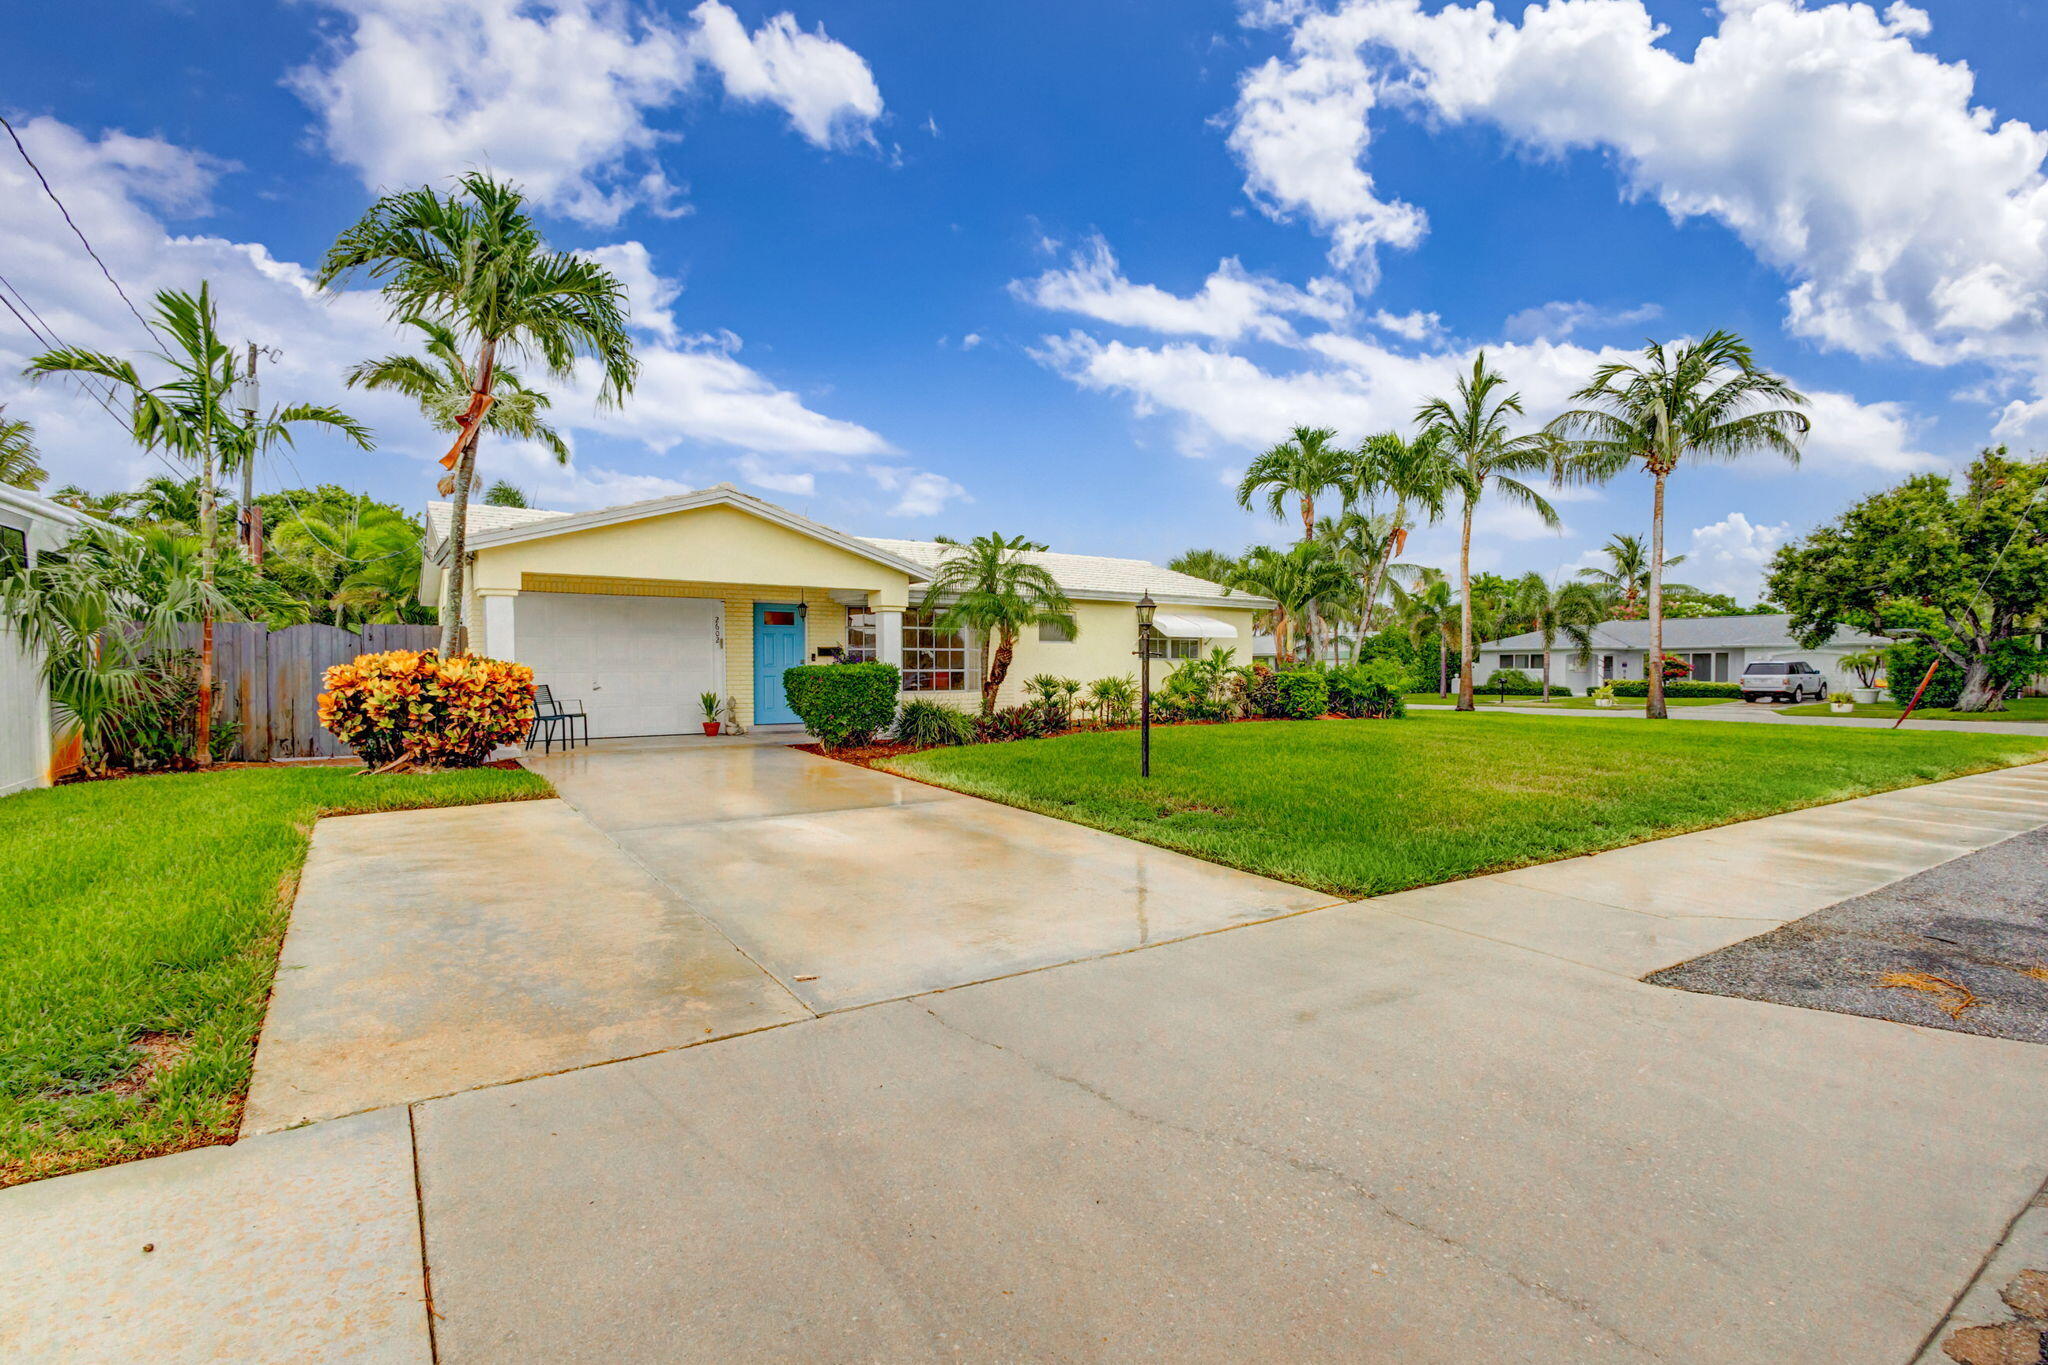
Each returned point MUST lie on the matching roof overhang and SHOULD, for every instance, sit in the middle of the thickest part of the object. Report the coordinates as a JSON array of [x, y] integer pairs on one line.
[[1234, 602], [689, 502]]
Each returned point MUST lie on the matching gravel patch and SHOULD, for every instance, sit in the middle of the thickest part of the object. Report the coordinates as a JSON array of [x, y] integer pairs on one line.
[[1962, 946]]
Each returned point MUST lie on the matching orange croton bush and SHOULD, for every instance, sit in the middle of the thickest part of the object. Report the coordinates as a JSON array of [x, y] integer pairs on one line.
[[418, 709]]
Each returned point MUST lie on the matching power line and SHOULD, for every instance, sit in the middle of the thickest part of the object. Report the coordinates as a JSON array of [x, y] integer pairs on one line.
[[76, 230]]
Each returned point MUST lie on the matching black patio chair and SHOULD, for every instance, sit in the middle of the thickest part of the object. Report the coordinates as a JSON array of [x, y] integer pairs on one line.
[[552, 717]]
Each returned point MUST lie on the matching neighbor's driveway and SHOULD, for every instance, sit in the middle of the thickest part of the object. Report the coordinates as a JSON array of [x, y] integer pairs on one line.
[[1445, 1125]]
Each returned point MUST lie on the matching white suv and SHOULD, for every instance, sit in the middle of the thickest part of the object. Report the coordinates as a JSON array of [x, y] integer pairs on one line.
[[1792, 681]]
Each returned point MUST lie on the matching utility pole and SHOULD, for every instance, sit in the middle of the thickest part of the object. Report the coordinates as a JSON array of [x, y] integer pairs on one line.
[[252, 515]]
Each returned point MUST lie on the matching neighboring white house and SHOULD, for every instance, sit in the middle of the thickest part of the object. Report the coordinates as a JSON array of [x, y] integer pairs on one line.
[[635, 610], [1717, 647], [29, 525]]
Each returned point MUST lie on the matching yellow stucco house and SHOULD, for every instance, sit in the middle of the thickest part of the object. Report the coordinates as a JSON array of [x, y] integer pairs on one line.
[[636, 610]]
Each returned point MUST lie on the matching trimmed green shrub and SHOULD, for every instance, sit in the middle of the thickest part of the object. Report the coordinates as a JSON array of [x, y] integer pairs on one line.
[[930, 724], [1373, 689], [2012, 663], [1304, 693], [842, 704], [1678, 687], [1257, 693]]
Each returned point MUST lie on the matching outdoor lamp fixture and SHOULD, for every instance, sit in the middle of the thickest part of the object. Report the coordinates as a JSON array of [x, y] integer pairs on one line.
[[1146, 606]]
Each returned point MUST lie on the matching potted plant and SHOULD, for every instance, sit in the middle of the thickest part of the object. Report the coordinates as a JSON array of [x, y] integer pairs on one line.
[[1841, 705], [1603, 695], [712, 706], [1865, 665]]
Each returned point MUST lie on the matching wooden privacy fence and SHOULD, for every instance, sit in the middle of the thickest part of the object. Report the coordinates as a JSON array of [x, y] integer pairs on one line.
[[269, 681]]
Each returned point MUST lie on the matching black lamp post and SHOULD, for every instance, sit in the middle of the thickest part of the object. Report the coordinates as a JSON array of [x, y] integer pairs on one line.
[[1146, 606]]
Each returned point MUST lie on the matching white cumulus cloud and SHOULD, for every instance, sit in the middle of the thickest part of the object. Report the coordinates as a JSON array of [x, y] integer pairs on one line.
[[1232, 302], [1730, 555]]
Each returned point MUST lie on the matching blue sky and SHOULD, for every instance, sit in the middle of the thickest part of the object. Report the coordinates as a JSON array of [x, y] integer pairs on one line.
[[1061, 269]]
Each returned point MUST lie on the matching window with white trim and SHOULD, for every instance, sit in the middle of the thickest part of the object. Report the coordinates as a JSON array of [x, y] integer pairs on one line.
[[1530, 662], [860, 637], [1177, 648], [938, 660], [1707, 667]]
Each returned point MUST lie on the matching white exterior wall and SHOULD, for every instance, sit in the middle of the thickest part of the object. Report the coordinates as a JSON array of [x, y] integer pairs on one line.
[[1628, 663], [25, 729]]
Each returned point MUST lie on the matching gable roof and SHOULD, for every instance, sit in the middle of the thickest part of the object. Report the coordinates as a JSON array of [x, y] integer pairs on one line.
[[1098, 577], [1693, 632], [494, 526], [1093, 577]]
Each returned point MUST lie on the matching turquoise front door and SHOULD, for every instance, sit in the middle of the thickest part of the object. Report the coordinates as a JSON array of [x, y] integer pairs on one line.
[[778, 644]]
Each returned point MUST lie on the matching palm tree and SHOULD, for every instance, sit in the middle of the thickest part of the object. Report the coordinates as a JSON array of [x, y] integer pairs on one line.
[[990, 587], [1303, 466], [474, 263], [161, 500], [105, 506], [1705, 399], [361, 567], [503, 492], [1295, 578], [1627, 578], [19, 466], [1570, 610], [1431, 611], [1473, 430], [1419, 476], [1213, 565], [189, 414]]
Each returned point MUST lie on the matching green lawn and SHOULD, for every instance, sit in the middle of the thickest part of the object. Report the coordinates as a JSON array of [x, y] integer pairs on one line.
[[2021, 708], [1563, 703], [1366, 807], [146, 914]]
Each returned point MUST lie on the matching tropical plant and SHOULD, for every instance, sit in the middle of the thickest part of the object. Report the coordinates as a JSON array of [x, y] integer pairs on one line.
[[1212, 565], [1115, 699], [1304, 693], [711, 704], [1570, 610], [1295, 578], [1056, 695], [1375, 689], [505, 493], [989, 586], [361, 566], [1866, 664], [1626, 579], [1693, 401], [930, 724], [1431, 610], [1473, 427], [1961, 573], [407, 709], [92, 616], [1419, 476], [1306, 465], [473, 264], [189, 414], [18, 463], [1205, 687]]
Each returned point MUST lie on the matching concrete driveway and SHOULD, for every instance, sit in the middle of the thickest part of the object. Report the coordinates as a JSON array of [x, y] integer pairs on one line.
[[1446, 1125]]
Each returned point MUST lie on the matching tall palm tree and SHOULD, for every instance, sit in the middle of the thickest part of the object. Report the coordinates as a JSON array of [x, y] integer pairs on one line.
[[1626, 580], [190, 414], [1430, 609], [1473, 428], [1703, 400], [18, 463], [473, 262], [990, 587], [1568, 609], [1307, 464], [1419, 475], [1295, 578]]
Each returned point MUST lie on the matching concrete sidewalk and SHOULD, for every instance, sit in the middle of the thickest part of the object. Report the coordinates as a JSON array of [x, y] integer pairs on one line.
[[1437, 1126]]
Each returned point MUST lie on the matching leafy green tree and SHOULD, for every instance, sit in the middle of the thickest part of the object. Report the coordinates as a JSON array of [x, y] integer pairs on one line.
[[1213, 565], [1567, 609], [990, 586], [1960, 574], [189, 414], [1625, 581], [19, 465], [1295, 578], [1303, 467], [1697, 401], [1433, 613], [473, 263], [1472, 428]]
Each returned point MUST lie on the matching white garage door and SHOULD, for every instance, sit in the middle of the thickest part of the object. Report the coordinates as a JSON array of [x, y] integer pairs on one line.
[[636, 663]]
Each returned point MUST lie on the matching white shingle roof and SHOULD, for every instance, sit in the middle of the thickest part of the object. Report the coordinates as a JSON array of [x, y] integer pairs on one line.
[[1086, 575], [1693, 632], [482, 517]]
